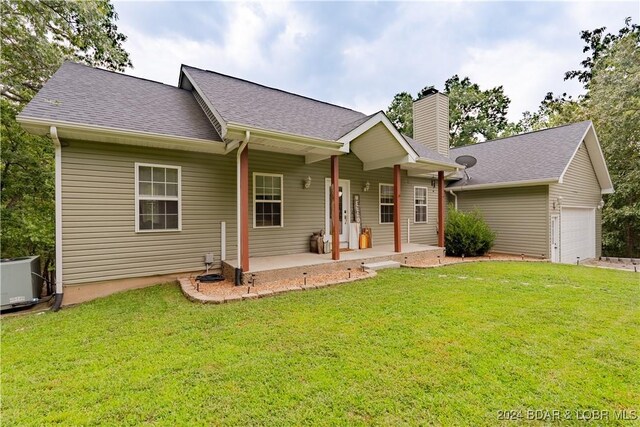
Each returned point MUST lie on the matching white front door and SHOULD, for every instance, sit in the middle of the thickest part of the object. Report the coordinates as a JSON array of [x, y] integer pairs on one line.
[[343, 210], [555, 238]]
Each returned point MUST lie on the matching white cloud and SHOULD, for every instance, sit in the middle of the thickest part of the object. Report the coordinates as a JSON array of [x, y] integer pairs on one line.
[[413, 45], [526, 71], [260, 42]]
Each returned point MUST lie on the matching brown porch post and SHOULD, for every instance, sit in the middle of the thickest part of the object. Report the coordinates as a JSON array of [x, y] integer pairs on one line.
[[244, 208], [397, 228], [441, 209], [335, 221]]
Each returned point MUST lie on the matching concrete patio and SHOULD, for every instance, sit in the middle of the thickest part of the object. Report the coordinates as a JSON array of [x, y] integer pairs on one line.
[[286, 266]]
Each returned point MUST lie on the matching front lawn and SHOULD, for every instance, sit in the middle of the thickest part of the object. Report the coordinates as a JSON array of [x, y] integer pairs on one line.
[[453, 345]]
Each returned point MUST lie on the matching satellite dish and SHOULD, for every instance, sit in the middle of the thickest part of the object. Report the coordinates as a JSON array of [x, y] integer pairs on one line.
[[466, 161]]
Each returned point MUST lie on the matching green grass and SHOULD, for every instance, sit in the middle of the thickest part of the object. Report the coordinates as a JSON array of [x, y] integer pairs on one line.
[[407, 347]]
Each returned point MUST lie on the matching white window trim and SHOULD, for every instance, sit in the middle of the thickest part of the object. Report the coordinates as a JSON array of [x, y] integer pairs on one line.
[[426, 204], [380, 204], [138, 197], [274, 201]]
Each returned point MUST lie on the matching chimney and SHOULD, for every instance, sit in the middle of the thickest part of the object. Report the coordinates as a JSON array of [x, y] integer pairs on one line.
[[431, 121]]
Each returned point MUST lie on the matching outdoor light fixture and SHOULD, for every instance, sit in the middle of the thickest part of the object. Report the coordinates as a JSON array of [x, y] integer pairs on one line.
[[366, 187], [307, 182], [558, 201], [601, 204]]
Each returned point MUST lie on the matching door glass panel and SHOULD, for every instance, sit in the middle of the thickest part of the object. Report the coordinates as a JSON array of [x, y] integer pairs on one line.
[[341, 216]]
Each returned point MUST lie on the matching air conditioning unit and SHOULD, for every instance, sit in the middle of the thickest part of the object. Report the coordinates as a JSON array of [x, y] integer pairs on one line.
[[18, 285]]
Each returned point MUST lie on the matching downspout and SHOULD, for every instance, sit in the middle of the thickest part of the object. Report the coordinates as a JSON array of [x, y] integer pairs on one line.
[[241, 148], [455, 199], [53, 131]]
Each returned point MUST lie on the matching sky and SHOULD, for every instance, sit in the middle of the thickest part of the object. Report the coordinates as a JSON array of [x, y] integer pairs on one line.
[[360, 54]]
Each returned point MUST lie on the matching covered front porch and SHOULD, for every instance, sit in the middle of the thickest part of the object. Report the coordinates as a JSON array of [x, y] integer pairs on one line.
[[281, 199], [268, 268]]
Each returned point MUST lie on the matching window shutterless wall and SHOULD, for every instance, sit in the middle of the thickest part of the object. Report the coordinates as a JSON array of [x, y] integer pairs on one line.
[[100, 241]]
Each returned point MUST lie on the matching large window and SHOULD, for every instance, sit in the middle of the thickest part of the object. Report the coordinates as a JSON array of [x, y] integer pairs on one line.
[[267, 200], [386, 203], [420, 204], [157, 197]]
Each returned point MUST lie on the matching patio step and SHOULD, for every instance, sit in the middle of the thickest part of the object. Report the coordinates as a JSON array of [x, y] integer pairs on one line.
[[382, 265]]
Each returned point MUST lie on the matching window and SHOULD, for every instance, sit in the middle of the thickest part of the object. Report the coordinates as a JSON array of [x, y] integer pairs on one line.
[[157, 198], [420, 204], [267, 200], [386, 203]]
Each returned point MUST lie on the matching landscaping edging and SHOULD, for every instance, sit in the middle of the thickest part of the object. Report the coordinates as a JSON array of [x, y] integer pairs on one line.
[[189, 290]]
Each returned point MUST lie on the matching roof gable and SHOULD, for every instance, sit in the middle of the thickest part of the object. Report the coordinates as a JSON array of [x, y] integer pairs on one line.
[[243, 102]]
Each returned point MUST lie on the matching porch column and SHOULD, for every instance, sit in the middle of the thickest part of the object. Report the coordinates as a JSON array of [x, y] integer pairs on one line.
[[335, 209], [441, 209], [244, 209], [397, 228]]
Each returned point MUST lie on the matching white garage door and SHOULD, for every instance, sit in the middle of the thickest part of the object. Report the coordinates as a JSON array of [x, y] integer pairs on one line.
[[578, 234]]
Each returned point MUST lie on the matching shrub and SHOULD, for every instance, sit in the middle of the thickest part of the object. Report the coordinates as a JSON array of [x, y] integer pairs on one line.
[[467, 234]]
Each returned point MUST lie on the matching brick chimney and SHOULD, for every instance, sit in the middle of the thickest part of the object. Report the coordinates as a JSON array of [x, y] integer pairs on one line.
[[431, 121]]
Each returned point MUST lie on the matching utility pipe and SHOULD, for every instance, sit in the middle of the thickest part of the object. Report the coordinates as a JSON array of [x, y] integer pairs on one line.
[[241, 148], [53, 131], [455, 198]]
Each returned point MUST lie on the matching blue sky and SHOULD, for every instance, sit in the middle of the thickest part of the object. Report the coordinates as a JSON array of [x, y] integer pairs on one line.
[[359, 54]]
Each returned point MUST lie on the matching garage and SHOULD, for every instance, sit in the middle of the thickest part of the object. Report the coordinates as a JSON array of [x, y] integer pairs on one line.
[[577, 234]]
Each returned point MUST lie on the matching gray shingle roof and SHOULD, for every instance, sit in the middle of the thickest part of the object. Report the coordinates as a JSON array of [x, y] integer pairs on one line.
[[536, 155], [80, 94], [428, 153], [248, 103]]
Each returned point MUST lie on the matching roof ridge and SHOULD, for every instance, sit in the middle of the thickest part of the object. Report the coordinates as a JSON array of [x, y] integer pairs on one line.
[[273, 88], [521, 134], [117, 73]]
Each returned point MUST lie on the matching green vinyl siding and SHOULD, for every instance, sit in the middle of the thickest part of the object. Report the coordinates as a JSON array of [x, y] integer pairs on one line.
[[304, 209], [98, 189], [99, 238], [518, 216], [579, 188]]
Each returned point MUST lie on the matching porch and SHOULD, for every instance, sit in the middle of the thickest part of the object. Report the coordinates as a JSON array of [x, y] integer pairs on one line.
[[269, 268]]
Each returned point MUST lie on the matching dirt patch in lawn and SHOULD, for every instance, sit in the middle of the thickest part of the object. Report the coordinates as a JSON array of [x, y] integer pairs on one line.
[[626, 264], [434, 262]]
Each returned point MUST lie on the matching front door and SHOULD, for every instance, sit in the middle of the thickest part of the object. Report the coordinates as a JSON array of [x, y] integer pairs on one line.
[[555, 238], [343, 210]]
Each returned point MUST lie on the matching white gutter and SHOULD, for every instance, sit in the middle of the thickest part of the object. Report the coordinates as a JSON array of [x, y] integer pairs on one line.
[[241, 148], [526, 183], [122, 136], [455, 198], [233, 129], [53, 131]]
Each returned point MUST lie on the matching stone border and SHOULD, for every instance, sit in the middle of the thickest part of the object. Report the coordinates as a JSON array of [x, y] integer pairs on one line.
[[193, 295]]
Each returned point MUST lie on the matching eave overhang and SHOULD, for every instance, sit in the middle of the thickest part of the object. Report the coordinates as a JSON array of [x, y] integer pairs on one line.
[[86, 132]]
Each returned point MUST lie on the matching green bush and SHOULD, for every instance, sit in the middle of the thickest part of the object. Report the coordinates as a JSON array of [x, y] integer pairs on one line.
[[467, 234]]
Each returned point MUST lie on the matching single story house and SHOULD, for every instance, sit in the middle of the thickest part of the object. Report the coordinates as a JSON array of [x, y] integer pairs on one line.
[[154, 180]]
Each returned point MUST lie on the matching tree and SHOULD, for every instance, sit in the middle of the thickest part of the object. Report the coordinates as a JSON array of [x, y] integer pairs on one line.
[[474, 114], [614, 106], [611, 74], [598, 45], [400, 112], [36, 37]]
